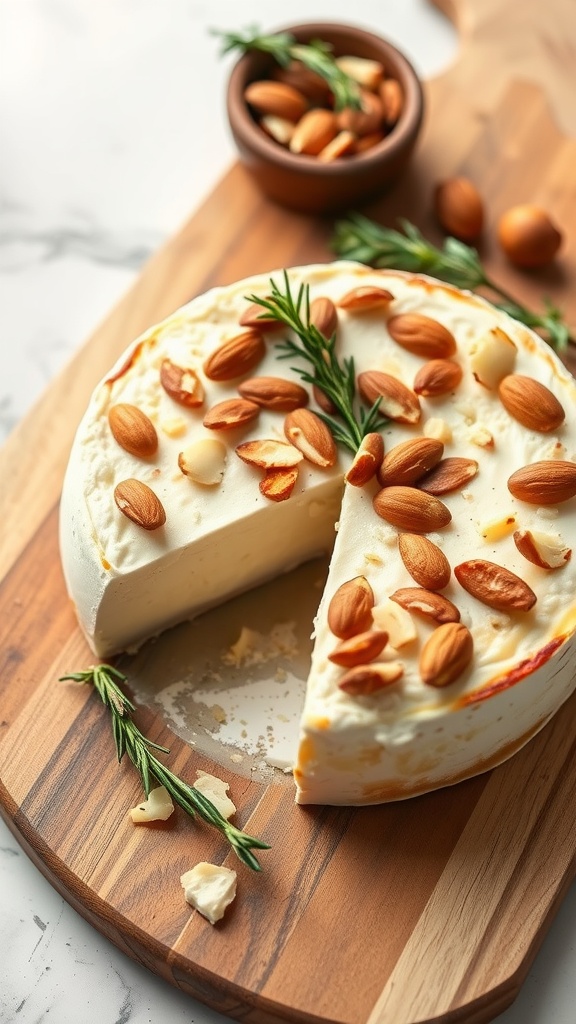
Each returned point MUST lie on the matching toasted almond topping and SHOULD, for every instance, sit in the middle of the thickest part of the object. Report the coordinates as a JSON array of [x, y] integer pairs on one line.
[[437, 377], [363, 680], [396, 621], [366, 120], [274, 393], [310, 435], [278, 484], [232, 413], [425, 562], [182, 384], [367, 460], [422, 335], [448, 475], [204, 461], [324, 316], [411, 510], [133, 430], [408, 461], [256, 317], [365, 298], [359, 649], [495, 586], [542, 549], [350, 609], [138, 503], [492, 357], [269, 453], [426, 602], [544, 483], [392, 99], [446, 653], [236, 356], [397, 402], [366, 72], [276, 98], [531, 403]]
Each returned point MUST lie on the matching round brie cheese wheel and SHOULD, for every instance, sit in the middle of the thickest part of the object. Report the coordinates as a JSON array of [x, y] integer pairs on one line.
[[446, 634]]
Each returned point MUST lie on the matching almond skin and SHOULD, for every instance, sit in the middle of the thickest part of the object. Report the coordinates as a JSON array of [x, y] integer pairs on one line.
[[397, 402], [392, 99], [274, 393], [446, 653], [277, 98], [426, 602], [545, 552], [324, 316], [269, 453], [459, 209], [408, 461], [232, 413], [364, 121], [544, 483], [426, 563], [315, 129], [365, 298], [133, 430], [359, 649], [278, 484], [531, 403], [448, 475], [422, 336], [236, 356], [437, 377], [350, 609], [323, 401], [139, 504], [367, 460], [362, 680], [310, 435], [256, 316], [495, 586], [411, 510], [306, 81], [182, 384], [528, 236]]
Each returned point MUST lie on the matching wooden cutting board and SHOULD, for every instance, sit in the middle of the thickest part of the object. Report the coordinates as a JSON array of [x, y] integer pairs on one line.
[[427, 910]]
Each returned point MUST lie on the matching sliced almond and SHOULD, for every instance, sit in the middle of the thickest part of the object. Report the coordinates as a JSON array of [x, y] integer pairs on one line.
[[492, 357], [182, 384], [397, 402], [495, 586], [531, 403], [362, 680], [446, 654], [426, 602], [278, 128], [236, 356], [204, 461], [425, 562], [314, 131], [437, 377], [411, 510], [274, 393], [367, 460], [422, 335], [448, 475], [392, 99], [310, 435], [340, 145], [365, 298], [350, 609], [544, 483], [133, 430], [359, 649], [366, 120], [396, 621], [138, 503], [232, 413], [269, 453], [277, 98], [324, 316], [368, 73], [542, 549], [278, 484], [408, 461], [256, 316]]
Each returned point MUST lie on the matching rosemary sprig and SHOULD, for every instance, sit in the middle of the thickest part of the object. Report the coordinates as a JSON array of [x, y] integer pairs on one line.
[[358, 238], [337, 380], [283, 47], [130, 741]]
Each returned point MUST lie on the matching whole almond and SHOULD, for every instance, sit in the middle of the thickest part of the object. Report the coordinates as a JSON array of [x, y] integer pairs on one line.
[[350, 609], [324, 316], [306, 81], [310, 435], [182, 384], [426, 602], [278, 484], [366, 120], [397, 402], [340, 145], [138, 503], [231, 413], [422, 335], [437, 377], [274, 393], [426, 563], [392, 100], [543, 550], [411, 510], [323, 401], [365, 298], [446, 654], [367, 460], [133, 430], [459, 209], [495, 586], [236, 356], [366, 72], [313, 132], [365, 142], [528, 235], [359, 649], [278, 128], [269, 453], [362, 680], [544, 483], [448, 475], [256, 316], [408, 461], [277, 98], [531, 403]]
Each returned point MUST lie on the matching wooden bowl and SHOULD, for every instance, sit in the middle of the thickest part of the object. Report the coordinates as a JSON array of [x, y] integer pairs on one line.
[[302, 182]]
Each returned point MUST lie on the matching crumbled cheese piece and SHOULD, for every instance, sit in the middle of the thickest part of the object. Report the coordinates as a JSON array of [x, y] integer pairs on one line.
[[175, 426], [481, 437], [215, 790], [254, 648], [439, 429], [158, 807], [210, 889]]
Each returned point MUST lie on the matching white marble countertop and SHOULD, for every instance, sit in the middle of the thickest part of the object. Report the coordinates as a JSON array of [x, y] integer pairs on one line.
[[112, 131]]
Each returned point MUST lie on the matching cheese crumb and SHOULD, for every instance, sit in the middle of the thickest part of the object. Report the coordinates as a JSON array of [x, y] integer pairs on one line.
[[158, 807], [215, 790], [210, 889]]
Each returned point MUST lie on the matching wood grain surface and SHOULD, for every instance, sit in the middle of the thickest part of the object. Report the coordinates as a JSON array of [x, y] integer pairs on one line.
[[426, 910]]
